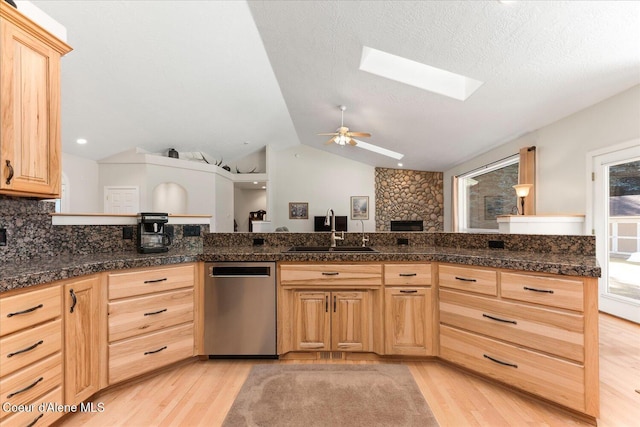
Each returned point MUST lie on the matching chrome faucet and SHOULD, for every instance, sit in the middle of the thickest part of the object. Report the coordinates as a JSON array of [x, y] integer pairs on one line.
[[364, 239], [330, 219]]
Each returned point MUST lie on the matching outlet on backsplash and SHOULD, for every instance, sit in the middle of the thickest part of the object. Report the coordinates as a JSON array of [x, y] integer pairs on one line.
[[3, 237], [191, 230], [127, 233]]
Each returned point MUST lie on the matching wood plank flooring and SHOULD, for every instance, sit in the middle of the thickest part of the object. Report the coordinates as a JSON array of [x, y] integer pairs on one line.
[[199, 393]]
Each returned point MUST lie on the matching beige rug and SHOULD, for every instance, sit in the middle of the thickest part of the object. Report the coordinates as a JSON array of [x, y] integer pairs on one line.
[[330, 395]]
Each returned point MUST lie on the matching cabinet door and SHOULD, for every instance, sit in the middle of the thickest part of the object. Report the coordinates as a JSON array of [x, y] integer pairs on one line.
[[408, 322], [311, 321], [30, 79], [350, 321], [82, 343]]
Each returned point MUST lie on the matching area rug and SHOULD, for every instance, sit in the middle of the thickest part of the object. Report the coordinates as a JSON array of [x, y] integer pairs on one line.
[[330, 395]]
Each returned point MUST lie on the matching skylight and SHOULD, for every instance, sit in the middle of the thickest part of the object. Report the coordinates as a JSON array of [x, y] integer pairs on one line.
[[379, 150], [414, 73]]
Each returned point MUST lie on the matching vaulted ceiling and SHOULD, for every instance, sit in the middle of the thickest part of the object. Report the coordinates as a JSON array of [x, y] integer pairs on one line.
[[228, 77]]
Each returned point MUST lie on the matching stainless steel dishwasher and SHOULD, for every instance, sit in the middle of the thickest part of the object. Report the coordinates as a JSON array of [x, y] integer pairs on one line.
[[240, 310]]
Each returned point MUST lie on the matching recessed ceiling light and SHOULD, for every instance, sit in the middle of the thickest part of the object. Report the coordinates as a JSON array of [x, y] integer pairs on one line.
[[81, 141], [255, 182], [400, 164], [414, 73], [264, 187]]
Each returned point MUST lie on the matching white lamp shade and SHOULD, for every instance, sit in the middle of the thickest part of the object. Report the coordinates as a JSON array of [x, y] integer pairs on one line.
[[522, 190]]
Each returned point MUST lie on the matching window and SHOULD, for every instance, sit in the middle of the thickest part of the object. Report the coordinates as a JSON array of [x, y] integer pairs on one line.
[[486, 193]]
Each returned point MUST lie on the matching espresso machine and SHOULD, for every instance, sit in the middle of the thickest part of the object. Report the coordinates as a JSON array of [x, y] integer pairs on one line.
[[152, 236]]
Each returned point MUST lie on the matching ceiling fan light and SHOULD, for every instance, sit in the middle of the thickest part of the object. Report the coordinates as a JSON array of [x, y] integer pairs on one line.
[[341, 140]]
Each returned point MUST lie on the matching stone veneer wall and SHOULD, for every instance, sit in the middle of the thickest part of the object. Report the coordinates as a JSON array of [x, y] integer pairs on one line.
[[30, 233], [409, 195]]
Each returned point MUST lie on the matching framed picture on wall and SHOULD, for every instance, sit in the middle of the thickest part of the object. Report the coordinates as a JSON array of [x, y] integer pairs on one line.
[[359, 207], [298, 210]]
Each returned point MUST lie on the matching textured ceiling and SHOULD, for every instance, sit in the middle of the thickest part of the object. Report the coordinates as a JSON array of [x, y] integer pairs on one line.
[[210, 75]]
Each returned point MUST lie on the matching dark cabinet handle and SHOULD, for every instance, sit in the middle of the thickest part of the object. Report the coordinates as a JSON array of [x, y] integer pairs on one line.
[[22, 390], [155, 312], [407, 274], [74, 300], [155, 280], [28, 310], [408, 291], [330, 273], [464, 279], [334, 304], [10, 172], [32, 423], [24, 350], [545, 291], [500, 362], [155, 351], [326, 303], [497, 319]]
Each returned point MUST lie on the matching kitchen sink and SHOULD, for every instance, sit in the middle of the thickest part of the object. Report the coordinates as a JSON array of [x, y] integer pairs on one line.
[[330, 249]]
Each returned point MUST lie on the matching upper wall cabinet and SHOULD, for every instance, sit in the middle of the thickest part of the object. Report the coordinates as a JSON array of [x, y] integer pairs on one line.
[[30, 147]]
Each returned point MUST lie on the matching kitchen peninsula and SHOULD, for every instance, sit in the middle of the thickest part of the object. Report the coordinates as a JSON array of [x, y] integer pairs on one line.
[[435, 297]]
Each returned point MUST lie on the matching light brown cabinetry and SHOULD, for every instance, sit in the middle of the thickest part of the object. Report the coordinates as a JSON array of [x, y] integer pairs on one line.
[[30, 146], [31, 352], [150, 319], [331, 321], [538, 333], [83, 319], [409, 310], [330, 307]]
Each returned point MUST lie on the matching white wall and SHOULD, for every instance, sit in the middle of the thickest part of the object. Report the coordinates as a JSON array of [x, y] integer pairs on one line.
[[82, 184], [223, 199], [246, 201], [562, 148], [324, 180]]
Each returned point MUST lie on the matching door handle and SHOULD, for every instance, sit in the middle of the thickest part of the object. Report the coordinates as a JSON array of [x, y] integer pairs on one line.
[[73, 299]]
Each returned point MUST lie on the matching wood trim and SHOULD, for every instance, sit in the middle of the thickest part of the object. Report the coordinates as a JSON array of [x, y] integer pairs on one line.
[[198, 309]]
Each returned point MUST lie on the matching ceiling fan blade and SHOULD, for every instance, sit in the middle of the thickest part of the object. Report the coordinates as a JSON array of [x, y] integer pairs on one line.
[[361, 134], [353, 141], [334, 134], [331, 141]]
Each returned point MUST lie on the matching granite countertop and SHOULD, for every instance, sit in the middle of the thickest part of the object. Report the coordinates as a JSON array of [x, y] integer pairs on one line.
[[16, 275]]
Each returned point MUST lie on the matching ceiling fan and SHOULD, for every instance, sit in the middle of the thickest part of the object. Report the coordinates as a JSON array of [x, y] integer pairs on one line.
[[343, 136]]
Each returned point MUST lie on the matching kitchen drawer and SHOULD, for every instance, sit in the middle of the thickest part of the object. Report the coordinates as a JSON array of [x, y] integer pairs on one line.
[[27, 384], [482, 281], [32, 416], [134, 316], [554, 332], [23, 348], [135, 356], [546, 376], [331, 274], [551, 291], [28, 309], [407, 274], [123, 285]]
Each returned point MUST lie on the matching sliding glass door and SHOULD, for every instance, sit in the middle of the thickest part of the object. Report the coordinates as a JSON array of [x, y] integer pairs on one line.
[[617, 228]]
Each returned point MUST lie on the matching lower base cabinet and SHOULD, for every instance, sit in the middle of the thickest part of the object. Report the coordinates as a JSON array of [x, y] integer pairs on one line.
[[408, 321], [331, 321], [82, 321]]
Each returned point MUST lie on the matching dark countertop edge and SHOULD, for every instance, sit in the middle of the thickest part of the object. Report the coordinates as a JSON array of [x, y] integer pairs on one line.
[[75, 266]]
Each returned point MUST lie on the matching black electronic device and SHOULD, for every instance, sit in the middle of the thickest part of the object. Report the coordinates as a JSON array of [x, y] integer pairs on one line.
[[152, 236]]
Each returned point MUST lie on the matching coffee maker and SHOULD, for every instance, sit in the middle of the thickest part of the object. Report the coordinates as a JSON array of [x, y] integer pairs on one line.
[[152, 236]]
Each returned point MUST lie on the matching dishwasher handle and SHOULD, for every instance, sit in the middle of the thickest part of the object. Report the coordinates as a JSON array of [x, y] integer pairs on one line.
[[240, 271]]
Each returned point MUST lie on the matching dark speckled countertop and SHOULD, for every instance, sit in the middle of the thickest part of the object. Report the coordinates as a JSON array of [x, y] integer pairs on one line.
[[29, 273]]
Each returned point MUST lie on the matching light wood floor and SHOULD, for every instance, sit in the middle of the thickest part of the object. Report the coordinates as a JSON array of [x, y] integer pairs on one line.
[[199, 393]]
